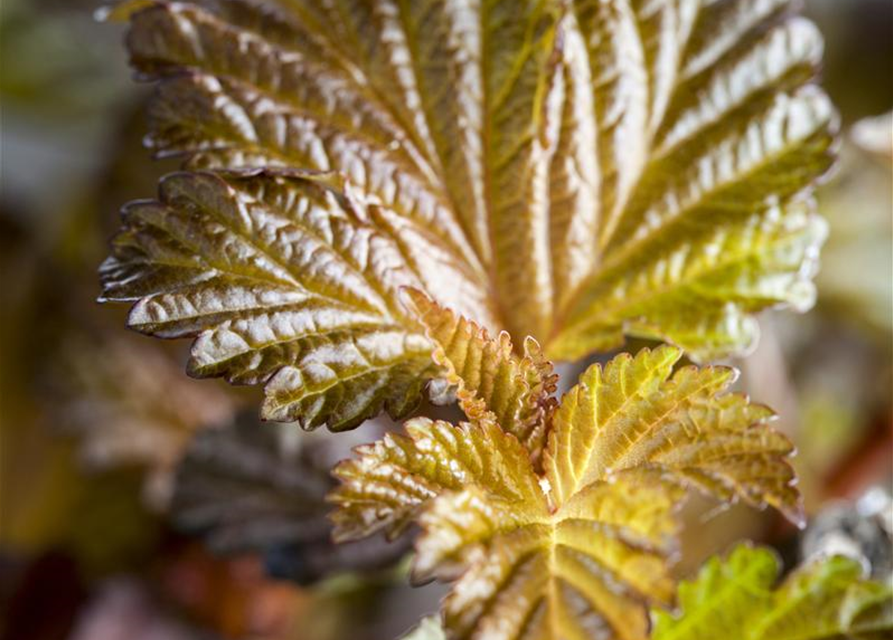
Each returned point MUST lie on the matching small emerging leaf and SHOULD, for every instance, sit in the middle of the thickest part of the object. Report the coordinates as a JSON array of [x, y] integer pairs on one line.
[[578, 549], [735, 599], [573, 170], [494, 383]]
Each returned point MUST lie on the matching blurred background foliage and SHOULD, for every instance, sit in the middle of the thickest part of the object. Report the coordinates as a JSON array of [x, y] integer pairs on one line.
[[95, 419]]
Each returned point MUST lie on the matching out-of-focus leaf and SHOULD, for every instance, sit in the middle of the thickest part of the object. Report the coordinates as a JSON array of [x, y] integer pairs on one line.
[[428, 629], [735, 599], [128, 405], [571, 170], [875, 135], [574, 551], [855, 275], [247, 490]]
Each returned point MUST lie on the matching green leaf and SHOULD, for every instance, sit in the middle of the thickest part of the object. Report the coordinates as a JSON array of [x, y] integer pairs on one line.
[[245, 487], [577, 549], [736, 599], [572, 170]]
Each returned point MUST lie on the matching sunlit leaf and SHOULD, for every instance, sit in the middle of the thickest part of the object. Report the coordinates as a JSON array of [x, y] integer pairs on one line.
[[736, 599], [494, 383], [580, 548], [573, 170], [633, 413], [246, 488], [286, 280], [394, 478]]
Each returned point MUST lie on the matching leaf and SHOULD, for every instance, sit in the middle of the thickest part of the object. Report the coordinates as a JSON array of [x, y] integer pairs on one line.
[[428, 629], [633, 413], [493, 382], [93, 381], [736, 599], [246, 488], [573, 170], [285, 282], [578, 549]]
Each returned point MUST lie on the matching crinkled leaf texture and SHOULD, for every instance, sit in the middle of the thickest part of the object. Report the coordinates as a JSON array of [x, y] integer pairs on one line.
[[248, 487], [578, 548], [736, 599], [574, 170]]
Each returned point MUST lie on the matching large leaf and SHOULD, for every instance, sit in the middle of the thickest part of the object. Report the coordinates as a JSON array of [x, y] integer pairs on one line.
[[735, 599], [578, 549], [574, 170], [285, 280], [247, 488]]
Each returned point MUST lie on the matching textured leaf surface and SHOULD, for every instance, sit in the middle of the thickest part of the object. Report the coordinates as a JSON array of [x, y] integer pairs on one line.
[[493, 382], [574, 170], [632, 414], [248, 487], [577, 550], [735, 599], [285, 280]]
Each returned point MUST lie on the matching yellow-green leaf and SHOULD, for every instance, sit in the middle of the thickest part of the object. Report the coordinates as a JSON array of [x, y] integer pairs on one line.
[[393, 479], [494, 383], [579, 549], [736, 599], [573, 170], [633, 414]]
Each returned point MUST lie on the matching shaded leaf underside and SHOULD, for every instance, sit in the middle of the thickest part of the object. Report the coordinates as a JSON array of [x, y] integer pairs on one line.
[[245, 489], [572, 171], [130, 406], [579, 549]]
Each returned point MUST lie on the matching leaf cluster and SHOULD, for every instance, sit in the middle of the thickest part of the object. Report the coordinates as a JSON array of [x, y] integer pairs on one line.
[[573, 170], [562, 173], [736, 599], [566, 529]]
